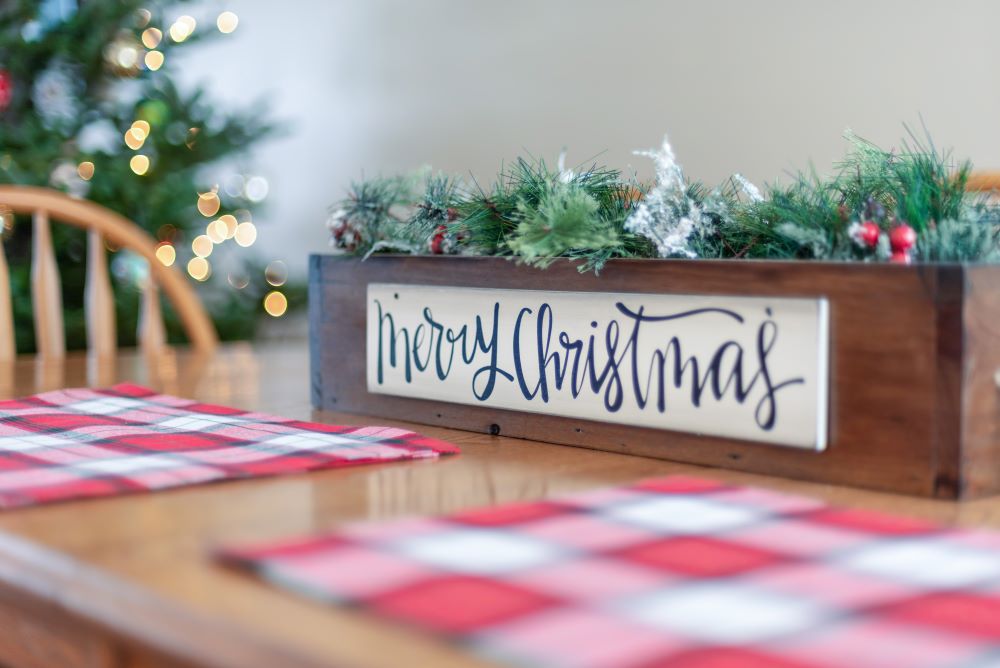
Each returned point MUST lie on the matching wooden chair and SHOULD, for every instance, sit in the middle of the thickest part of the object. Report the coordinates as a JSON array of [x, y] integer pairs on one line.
[[99, 305]]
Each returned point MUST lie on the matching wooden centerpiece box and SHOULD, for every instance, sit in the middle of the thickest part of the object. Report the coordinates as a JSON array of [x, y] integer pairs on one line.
[[876, 375]]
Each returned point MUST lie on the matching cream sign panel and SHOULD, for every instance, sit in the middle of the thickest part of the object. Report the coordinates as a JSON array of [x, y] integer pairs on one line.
[[752, 368]]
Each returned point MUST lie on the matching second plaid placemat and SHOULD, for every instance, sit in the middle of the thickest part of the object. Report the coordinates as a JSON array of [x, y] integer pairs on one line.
[[672, 572]]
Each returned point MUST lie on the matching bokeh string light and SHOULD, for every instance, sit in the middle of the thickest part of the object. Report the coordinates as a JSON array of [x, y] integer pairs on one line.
[[199, 269], [238, 227], [216, 231], [154, 60], [128, 58], [151, 38], [136, 135], [202, 246], [229, 221], [227, 22], [139, 164], [275, 304], [246, 234], [209, 203], [85, 170], [123, 54], [182, 28], [133, 139], [166, 253]]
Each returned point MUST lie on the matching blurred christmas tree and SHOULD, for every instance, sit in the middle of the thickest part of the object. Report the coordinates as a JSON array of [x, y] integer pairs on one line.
[[88, 105]]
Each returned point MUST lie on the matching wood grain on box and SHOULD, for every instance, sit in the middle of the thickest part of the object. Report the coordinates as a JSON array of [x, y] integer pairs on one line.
[[913, 352]]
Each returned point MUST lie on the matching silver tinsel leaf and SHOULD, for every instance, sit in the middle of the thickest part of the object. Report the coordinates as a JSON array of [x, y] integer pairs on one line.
[[668, 216]]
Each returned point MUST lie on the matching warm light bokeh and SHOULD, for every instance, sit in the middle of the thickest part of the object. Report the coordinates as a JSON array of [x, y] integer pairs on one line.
[[208, 204], [246, 234], [154, 60], [151, 37], [275, 304], [166, 254], [202, 246], [182, 28], [134, 138], [199, 269], [229, 221], [216, 231], [139, 164], [227, 22]]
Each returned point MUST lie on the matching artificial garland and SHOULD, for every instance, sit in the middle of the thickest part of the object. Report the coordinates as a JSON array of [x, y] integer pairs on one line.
[[879, 206]]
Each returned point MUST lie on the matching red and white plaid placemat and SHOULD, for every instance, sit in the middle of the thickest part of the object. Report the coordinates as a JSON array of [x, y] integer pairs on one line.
[[79, 443], [670, 572]]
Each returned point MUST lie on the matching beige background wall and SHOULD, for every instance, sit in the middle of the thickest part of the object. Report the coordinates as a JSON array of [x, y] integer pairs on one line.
[[759, 87]]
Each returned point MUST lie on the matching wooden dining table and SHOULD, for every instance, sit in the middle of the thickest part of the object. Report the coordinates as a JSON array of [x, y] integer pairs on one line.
[[131, 580]]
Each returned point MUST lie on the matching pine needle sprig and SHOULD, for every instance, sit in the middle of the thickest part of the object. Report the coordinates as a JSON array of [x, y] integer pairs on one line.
[[486, 218], [563, 221], [371, 201], [538, 213], [919, 183], [437, 206], [367, 219]]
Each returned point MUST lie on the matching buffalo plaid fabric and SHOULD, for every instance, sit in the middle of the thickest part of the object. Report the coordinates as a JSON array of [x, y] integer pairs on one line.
[[670, 572], [84, 443]]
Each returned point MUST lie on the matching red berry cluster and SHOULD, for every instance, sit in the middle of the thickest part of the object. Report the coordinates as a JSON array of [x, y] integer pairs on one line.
[[437, 242], [345, 235], [443, 242], [902, 239], [868, 234], [6, 89]]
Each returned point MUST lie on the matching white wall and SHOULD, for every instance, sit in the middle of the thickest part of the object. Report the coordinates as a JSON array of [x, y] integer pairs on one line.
[[758, 87]]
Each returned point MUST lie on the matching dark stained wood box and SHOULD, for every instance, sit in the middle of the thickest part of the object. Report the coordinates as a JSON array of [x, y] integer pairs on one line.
[[914, 352]]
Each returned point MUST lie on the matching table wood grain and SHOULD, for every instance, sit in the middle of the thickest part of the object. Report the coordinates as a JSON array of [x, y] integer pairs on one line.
[[130, 581]]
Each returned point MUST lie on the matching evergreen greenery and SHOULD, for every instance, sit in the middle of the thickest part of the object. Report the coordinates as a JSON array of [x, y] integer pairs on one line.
[[534, 213], [564, 219]]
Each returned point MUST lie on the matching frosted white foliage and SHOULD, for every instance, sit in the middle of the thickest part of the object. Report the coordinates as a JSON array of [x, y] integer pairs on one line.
[[751, 191], [855, 232], [883, 250], [565, 175], [668, 216]]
